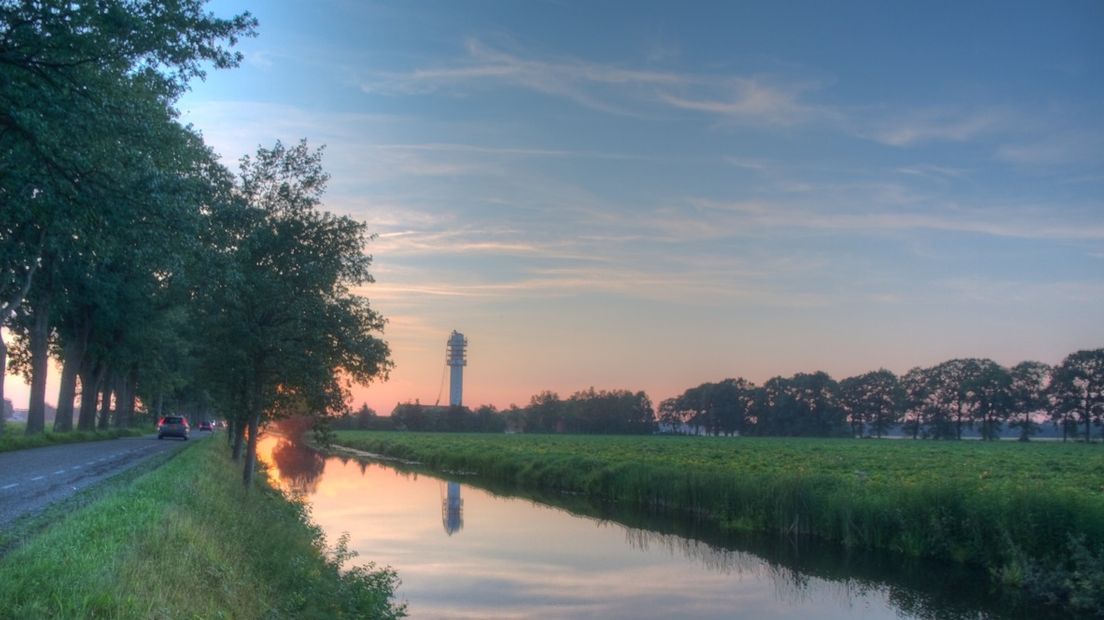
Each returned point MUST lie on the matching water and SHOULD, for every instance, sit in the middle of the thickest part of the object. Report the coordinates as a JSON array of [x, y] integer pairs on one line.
[[468, 549]]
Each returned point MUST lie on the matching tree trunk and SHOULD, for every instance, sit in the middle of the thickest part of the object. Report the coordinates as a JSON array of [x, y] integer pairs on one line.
[[1088, 425], [73, 355], [3, 368], [91, 378], [130, 382], [251, 451], [40, 362], [105, 407], [89, 388], [239, 437], [118, 419]]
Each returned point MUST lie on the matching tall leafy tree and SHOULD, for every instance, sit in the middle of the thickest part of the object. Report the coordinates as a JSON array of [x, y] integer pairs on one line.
[[806, 404], [875, 399], [1028, 393], [288, 334], [545, 413], [953, 397], [80, 79], [990, 388], [610, 412], [1077, 389], [918, 385]]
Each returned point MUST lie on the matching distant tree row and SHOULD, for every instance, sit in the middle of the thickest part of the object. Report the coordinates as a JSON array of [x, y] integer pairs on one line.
[[590, 411], [158, 279], [614, 412], [938, 402]]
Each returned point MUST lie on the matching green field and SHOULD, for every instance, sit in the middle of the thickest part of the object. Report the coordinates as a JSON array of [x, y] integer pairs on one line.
[[184, 540], [1032, 514]]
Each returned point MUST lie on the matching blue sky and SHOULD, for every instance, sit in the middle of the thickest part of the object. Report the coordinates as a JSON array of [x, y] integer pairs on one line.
[[650, 196], [653, 195]]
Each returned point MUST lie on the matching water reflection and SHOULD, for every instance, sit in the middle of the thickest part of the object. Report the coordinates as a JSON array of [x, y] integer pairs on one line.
[[299, 466], [452, 509], [527, 555]]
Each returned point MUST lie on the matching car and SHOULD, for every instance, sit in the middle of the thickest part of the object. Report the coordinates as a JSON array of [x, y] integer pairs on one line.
[[173, 426], [205, 426]]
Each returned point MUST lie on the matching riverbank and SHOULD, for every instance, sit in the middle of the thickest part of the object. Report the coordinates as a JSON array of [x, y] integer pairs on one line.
[[186, 541], [1031, 515]]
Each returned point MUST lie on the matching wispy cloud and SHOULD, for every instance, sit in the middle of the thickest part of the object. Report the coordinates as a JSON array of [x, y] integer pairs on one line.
[[931, 171], [607, 87], [738, 98], [936, 125]]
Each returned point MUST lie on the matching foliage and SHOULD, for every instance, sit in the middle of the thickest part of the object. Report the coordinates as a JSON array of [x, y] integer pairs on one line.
[[586, 411], [100, 184], [285, 334], [1077, 390], [1077, 582], [418, 417], [185, 541], [722, 408], [874, 399], [1027, 393]]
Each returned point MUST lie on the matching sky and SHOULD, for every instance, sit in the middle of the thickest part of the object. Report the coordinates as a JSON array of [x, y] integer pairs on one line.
[[649, 196]]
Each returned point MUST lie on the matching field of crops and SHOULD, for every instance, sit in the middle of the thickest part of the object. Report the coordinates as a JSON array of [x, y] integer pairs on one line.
[[1011, 507]]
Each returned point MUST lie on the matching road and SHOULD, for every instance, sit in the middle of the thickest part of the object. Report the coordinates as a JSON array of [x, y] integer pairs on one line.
[[32, 479]]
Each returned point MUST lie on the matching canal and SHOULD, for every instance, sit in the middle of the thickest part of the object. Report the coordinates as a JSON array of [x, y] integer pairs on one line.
[[466, 548]]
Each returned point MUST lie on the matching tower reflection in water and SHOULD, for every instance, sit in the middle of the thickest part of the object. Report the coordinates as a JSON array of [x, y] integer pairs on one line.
[[452, 508]]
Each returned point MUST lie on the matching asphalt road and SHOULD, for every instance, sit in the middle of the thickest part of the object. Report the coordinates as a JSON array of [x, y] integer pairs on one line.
[[32, 479]]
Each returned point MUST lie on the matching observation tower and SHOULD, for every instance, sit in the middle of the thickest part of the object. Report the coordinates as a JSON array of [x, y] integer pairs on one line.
[[456, 357]]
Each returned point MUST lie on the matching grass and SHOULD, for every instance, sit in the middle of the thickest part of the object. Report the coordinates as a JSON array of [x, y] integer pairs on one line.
[[186, 541], [1023, 512], [14, 439]]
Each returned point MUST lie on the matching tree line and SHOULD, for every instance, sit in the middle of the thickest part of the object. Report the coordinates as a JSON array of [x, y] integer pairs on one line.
[[940, 402], [158, 279], [618, 412]]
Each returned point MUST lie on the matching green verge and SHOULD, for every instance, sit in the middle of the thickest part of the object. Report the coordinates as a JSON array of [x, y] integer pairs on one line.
[[185, 540], [14, 439], [1032, 515]]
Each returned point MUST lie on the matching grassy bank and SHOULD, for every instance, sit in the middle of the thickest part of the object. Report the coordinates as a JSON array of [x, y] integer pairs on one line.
[[186, 541], [1033, 515], [14, 439]]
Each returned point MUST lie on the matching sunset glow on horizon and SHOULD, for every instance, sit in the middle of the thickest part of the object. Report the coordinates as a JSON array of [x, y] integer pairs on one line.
[[649, 196]]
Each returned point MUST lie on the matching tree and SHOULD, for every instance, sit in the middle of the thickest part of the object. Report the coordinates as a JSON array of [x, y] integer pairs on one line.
[[875, 399], [608, 412], [288, 336], [545, 413], [86, 86], [1028, 393], [918, 385], [953, 400], [805, 405], [990, 389], [1077, 389], [719, 408]]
